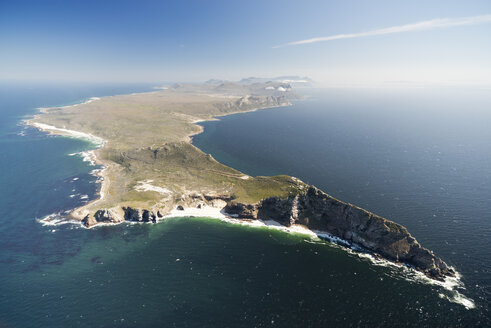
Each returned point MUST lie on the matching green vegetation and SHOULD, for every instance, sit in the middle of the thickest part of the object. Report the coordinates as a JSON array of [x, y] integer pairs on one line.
[[149, 160]]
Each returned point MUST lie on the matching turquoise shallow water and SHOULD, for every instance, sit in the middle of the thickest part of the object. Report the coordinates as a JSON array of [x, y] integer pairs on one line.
[[206, 273]]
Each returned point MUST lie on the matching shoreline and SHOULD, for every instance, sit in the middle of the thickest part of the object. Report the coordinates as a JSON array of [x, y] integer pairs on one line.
[[88, 101], [450, 284], [87, 156], [189, 138], [53, 130], [77, 214]]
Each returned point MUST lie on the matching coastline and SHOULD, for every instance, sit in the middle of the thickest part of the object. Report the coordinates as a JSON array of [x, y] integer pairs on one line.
[[409, 273], [89, 156], [118, 213], [450, 284], [78, 213], [97, 141], [189, 138]]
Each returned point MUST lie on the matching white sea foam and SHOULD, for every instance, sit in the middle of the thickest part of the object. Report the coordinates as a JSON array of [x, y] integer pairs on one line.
[[99, 142], [95, 172], [56, 219], [87, 156], [451, 285], [331, 238], [88, 101], [458, 298]]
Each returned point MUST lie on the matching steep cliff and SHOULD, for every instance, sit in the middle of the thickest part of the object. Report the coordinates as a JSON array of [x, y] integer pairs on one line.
[[319, 211], [151, 169], [315, 210]]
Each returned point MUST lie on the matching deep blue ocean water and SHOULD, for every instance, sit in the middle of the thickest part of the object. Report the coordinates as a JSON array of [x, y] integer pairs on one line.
[[419, 158]]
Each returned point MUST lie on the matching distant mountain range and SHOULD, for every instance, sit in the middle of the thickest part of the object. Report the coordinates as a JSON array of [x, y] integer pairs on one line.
[[293, 80]]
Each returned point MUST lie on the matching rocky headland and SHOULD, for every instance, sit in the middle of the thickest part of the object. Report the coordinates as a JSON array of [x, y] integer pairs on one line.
[[320, 212], [152, 171], [313, 209]]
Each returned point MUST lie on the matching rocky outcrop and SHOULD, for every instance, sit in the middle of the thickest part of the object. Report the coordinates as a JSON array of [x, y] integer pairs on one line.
[[149, 216], [137, 215], [131, 214], [254, 102], [316, 210], [263, 101], [319, 211], [243, 211], [101, 216]]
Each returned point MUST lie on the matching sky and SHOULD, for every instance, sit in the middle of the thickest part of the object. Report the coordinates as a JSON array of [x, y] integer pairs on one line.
[[336, 43]]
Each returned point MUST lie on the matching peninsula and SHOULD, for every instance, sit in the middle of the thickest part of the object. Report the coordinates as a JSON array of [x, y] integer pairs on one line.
[[151, 170]]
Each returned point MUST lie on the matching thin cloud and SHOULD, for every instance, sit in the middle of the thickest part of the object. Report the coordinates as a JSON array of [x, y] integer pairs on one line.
[[419, 26]]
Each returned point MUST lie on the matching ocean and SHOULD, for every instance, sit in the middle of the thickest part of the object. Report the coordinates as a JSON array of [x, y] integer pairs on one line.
[[419, 157]]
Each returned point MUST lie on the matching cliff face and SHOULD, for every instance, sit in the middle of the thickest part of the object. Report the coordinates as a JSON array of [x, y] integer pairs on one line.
[[129, 214], [316, 210], [319, 211], [253, 102], [153, 169]]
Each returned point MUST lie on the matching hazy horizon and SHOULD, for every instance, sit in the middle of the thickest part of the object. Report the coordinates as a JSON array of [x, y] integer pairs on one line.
[[353, 43]]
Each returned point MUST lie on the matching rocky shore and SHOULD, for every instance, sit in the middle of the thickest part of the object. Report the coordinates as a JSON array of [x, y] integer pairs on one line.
[[319, 211], [314, 209], [152, 171]]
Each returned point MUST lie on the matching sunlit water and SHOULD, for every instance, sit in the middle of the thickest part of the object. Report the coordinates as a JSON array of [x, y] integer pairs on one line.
[[206, 273]]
